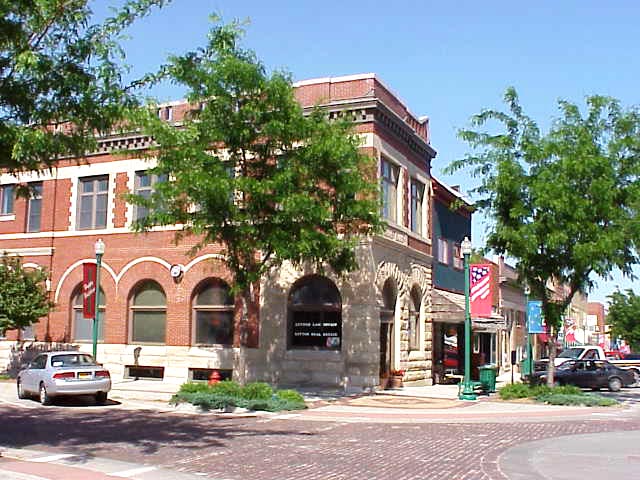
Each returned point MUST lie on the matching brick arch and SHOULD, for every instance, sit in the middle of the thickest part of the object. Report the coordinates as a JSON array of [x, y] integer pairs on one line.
[[72, 270], [138, 271], [70, 280], [387, 271], [420, 278]]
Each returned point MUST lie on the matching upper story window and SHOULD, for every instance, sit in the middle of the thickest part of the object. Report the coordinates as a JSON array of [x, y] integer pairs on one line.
[[389, 186], [92, 204], [458, 261], [144, 186], [7, 194], [166, 113], [443, 250], [417, 212], [34, 208]]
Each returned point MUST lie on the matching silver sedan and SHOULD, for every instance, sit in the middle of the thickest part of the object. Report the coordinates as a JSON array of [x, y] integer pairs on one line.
[[63, 373]]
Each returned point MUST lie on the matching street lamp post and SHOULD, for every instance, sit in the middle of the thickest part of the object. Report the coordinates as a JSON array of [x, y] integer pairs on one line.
[[99, 250], [467, 391], [529, 370]]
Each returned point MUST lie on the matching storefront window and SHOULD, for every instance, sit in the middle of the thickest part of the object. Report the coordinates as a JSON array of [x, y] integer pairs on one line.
[[213, 313], [315, 314]]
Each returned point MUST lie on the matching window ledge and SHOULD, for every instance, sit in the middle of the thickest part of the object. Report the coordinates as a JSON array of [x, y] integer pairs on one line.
[[7, 217]]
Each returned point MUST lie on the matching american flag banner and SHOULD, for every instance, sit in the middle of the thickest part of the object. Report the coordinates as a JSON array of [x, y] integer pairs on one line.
[[480, 290]]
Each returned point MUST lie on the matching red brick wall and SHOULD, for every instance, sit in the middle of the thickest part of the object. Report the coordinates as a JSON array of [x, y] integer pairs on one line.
[[120, 205]]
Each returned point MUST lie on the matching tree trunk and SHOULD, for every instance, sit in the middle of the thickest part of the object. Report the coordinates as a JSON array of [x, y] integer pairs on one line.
[[551, 367]]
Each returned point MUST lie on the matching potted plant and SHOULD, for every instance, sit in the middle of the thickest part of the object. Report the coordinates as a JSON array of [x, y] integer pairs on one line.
[[395, 378]]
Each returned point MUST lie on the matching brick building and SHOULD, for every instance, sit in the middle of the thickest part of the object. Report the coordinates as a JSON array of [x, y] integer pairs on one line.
[[170, 316]]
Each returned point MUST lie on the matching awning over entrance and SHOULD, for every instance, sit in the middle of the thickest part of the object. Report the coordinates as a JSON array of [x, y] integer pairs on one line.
[[449, 307]]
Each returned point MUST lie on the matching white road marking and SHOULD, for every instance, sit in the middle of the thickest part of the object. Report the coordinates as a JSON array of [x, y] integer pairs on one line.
[[18, 404], [133, 471], [52, 458]]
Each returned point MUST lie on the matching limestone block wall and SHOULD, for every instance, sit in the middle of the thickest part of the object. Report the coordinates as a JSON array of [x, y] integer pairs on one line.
[[355, 365]]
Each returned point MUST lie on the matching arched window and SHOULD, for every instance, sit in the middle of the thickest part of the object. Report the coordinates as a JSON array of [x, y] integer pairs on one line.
[[315, 314], [82, 328], [414, 319], [213, 314], [389, 296], [149, 314]]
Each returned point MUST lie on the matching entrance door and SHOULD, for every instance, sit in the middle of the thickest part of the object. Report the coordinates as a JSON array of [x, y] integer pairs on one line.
[[385, 348]]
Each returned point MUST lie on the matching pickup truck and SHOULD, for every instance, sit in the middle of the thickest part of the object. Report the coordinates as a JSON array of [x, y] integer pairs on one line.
[[591, 352]]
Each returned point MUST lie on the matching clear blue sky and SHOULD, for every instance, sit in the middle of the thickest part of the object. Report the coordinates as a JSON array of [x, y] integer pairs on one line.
[[446, 60]]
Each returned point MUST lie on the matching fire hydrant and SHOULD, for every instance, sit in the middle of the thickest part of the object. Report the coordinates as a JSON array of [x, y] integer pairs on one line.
[[214, 377]]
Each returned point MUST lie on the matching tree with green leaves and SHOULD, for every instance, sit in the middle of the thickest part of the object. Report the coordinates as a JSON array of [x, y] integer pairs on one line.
[[60, 78], [564, 204], [23, 296], [624, 317], [248, 170]]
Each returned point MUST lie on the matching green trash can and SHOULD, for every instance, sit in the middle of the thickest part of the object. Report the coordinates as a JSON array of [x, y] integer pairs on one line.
[[487, 374]]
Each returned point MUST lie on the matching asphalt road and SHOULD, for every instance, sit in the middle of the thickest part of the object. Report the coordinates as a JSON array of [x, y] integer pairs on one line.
[[300, 447]]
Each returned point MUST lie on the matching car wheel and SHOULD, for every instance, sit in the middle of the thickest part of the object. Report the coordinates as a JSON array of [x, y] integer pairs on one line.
[[615, 384], [21, 392], [45, 398], [101, 398]]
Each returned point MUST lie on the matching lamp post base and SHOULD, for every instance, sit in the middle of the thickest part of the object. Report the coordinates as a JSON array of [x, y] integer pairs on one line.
[[467, 393]]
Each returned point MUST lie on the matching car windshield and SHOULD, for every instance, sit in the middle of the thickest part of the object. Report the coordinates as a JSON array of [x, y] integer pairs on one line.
[[571, 353], [72, 360]]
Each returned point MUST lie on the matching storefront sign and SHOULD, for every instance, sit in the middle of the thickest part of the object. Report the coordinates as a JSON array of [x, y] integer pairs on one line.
[[322, 333]]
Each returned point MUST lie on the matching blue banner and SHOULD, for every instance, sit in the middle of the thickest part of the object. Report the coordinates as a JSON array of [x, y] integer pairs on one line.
[[534, 317]]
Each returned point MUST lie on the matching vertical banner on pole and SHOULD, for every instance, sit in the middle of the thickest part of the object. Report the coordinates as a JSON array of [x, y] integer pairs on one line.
[[534, 317], [88, 290], [480, 290]]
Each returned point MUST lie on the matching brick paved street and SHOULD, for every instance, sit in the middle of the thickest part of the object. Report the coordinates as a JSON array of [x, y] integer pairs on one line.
[[287, 448]]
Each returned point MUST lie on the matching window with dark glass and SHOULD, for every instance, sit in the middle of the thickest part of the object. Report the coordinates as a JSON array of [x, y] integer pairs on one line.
[[414, 320], [144, 186], [315, 314], [83, 327], [213, 312], [34, 208], [92, 202], [389, 187], [149, 314], [417, 196], [7, 194]]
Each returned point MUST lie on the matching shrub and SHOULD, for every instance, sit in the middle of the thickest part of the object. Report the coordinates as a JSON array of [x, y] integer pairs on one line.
[[226, 388], [515, 390], [194, 387], [573, 399], [290, 396], [257, 391], [254, 396]]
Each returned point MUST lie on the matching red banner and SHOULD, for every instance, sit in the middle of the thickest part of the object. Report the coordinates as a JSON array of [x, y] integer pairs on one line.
[[88, 290], [480, 290]]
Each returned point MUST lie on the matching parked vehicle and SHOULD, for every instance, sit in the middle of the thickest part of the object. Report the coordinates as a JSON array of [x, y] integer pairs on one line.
[[592, 352], [53, 374], [593, 374]]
